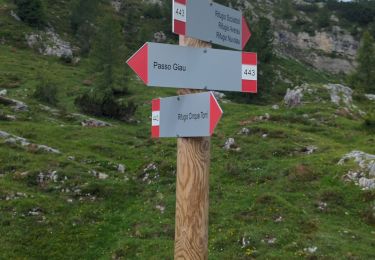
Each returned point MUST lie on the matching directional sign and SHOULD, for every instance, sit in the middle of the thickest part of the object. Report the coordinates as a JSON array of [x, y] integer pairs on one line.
[[191, 115], [210, 22], [164, 65]]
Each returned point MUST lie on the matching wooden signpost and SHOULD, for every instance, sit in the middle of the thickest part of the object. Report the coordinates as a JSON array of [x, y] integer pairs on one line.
[[193, 116]]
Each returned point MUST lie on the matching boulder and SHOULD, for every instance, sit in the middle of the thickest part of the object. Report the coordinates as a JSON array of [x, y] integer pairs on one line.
[[293, 98], [16, 140], [230, 144], [3, 92], [91, 122], [121, 168], [160, 37], [50, 43], [370, 97], [16, 104], [365, 175], [340, 94]]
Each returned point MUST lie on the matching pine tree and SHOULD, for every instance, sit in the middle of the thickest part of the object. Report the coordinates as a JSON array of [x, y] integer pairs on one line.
[[365, 74], [84, 13], [108, 51], [31, 12]]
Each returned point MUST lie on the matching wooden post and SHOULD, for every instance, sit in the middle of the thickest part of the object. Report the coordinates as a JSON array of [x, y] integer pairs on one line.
[[192, 188]]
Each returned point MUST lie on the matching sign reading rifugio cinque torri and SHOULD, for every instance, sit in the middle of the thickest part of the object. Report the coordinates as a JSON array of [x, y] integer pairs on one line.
[[210, 22], [191, 115], [165, 65]]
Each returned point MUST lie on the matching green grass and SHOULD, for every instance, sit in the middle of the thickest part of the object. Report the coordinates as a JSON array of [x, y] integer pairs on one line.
[[249, 189]]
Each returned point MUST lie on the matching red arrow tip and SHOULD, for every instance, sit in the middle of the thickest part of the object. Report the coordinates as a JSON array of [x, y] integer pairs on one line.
[[139, 63], [215, 113], [245, 32]]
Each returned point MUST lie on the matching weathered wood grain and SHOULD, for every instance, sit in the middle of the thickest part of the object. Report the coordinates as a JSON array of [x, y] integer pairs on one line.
[[192, 188]]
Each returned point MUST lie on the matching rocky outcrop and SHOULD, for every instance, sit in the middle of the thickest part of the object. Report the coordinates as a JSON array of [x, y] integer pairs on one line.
[[116, 4], [293, 97], [340, 95], [91, 122], [333, 50], [15, 104], [364, 176], [23, 142], [49, 43], [370, 97], [160, 37]]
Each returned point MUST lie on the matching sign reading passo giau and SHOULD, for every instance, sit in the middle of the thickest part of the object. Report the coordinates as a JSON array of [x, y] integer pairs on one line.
[[210, 22], [165, 65]]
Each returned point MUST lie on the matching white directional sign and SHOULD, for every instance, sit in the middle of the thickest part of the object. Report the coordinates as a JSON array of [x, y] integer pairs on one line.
[[164, 65], [191, 115], [210, 22]]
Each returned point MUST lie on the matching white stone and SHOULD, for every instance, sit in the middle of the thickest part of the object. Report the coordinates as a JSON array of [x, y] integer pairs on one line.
[[293, 97], [340, 94], [3, 92], [91, 122], [370, 97], [229, 144], [49, 43], [121, 168], [367, 184], [311, 249]]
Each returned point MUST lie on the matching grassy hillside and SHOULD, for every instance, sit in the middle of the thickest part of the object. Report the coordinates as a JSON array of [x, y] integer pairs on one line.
[[269, 200]]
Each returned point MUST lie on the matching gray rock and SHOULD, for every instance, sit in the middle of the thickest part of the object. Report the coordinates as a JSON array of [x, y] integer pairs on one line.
[[4, 134], [16, 140], [3, 92], [358, 156], [121, 168], [230, 143], [269, 240], [49, 43], [244, 131], [48, 149], [316, 49], [311, 249], [275, 107], [11, 117], [370, 97], [365, 177], [371, 169], [150, 167], [367, 184], [16, 104], [293, 98], [161, 208], [311, 149], [116, 4], [91, 122], [15, 16], [160, 37], [99, 175], [340, 94], [219, 95]]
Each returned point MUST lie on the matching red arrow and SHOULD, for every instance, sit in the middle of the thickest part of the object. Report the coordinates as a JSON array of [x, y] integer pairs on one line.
[[215, 113], [138, 63], [245, 32]]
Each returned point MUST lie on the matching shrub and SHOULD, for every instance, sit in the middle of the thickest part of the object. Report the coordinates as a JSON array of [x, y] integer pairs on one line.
[[370, 121], [105, 105], [31, 12], [46, 91]]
